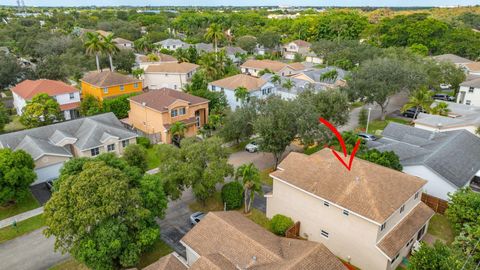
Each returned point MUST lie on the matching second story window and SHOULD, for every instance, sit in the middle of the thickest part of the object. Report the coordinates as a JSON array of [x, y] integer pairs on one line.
[[122, 87], [182, 111], [327, 204], [135, 85], [213, 87], [110, 147], [105, 90], [325, 234], [402, 209], [470, 90], [468, 102], [125, 143], [383, 226], [173, 113], [95, 151], [72, 95], [346, 213]]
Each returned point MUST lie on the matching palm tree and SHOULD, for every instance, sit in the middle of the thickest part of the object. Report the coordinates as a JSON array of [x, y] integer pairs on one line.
[[178, 129], [249, 175], [153, 57], [288, 84], [209, 66], [181, 55], [110, 48], [242, 94], [420, 99], [214, 33], [143, 44], [276, 79], [440, 109], [94, 46]]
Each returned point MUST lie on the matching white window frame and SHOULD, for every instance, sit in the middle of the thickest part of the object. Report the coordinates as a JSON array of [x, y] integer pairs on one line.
[[111, 147], [327, 204], [346, 212], [135, 85], [174, 113], [122, 87], [105, 90]]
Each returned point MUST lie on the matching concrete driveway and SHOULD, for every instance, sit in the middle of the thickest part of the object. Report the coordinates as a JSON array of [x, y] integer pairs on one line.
[[30, 251]]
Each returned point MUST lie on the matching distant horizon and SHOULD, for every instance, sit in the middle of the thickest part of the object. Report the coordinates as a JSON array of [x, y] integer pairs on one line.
[[245, 3]]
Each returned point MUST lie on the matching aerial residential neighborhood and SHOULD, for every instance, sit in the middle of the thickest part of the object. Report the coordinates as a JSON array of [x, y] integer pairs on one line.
[[240, 135]]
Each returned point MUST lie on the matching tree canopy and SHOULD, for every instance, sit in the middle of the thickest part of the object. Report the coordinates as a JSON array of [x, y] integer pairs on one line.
[[16, 175]]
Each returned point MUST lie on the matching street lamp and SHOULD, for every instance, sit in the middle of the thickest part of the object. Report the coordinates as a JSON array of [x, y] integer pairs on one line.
[[368, 119]]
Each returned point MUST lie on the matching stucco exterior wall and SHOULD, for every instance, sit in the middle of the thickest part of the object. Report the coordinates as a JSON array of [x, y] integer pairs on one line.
[[98, 92], [232, 100], [352, 238], [469, 98], [176, 81]]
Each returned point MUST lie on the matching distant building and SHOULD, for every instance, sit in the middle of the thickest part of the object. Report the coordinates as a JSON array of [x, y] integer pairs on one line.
[[123, 44], [154, 112], [67, 96], [295, 47], [143, 61], [51, 146], [469, 66], [253, 67], [171, 44], [172, 75], [105, 84], [469, 93]]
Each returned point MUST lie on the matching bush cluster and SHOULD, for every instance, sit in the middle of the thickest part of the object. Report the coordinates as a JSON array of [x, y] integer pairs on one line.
[[232, 195]]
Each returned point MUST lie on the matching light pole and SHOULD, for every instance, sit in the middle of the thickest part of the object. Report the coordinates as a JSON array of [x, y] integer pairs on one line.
[[368, 119]]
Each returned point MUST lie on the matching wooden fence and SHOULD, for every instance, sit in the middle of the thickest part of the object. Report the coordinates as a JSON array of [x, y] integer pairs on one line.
[[294, 231], [438, 205]]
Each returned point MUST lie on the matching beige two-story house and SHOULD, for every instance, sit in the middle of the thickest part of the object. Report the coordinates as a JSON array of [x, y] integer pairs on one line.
[[50, 146], [171, 75], [369, 216]]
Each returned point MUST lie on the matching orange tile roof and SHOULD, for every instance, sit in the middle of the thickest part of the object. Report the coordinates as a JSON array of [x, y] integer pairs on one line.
[[474, 66], [28, 89], [69, 106], [370, 190], [240, 80]]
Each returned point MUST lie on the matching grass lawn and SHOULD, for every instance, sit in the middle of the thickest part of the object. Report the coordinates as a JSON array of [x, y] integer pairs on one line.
[[70, 264], [158, 250], [152, 158], [28, 203], [213, 203], [265, 178], [258, 217], [14, 125], [238, 147], [380, 125], [23, 227], [440, 227], [356, 104]]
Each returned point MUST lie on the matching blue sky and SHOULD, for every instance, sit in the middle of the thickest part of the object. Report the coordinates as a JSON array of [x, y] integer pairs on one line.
[[244, 2]]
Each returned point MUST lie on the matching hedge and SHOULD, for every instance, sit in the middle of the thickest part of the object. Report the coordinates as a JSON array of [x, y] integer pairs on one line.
[[280, 224], [232, 195]]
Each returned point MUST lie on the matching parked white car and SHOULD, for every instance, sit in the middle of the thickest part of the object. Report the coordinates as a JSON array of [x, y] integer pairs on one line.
[[251, 147]]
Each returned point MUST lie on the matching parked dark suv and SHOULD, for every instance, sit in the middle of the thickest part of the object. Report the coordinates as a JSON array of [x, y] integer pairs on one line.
[[444, 97], [410, 113]]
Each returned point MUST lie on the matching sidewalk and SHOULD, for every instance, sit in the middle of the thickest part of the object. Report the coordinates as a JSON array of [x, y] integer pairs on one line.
[[25, 215]]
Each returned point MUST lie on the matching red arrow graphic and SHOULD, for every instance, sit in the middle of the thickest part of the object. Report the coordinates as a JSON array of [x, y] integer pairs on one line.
[[342, 144]]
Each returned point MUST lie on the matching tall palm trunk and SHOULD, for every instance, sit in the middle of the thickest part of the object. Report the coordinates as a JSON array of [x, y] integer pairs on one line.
[[111, 62], [98, 62], [216, 49], [245, 200]]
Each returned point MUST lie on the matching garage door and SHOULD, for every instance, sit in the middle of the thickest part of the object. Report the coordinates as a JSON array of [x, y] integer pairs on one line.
[[48, 173]]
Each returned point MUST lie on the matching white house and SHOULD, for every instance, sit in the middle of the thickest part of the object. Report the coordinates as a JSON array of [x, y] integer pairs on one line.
[[171, 75], [253, 67], [369, 216], [469, 93], [447, 160], [123, 44], [67, 96], [257, 87], [171, 44], [295, 47]]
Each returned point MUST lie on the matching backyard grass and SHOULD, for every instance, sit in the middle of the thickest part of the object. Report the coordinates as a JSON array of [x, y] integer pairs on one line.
[[214, 203], [22, 228], [265, 177], [258, 217], [28, 203], [152, 158], [14, 125], [70, 264], [441, 227], [158, 250]]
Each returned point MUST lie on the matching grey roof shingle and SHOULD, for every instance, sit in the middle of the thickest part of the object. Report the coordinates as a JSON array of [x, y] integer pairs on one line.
[[454, 155], [315, 74], [88, 132]]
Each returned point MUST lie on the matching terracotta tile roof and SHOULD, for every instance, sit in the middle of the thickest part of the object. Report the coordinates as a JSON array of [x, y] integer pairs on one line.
[[69, 106], [474, 66], [170, 67], [302, 43], [160, 99], [108, 78], [297, 66], [169, 262], [235, 81], [239, 240], [398, 237], [161, 58], [28, 89], [368, 189]]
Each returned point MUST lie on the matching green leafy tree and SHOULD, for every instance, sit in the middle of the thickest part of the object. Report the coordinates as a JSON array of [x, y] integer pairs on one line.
[[4, 117], [109, 48], [249, 175], [463, 208], [16, 175], [99, 216], [9, 70], [269, 39], [248, 43], [330, 75], [42, 110], [232, 195], [90, 105], [171, 170], [280, 224], [242, 94], [420, 99], [143, 44], [136, 155], [52, 68], [94, 46], [124, 60], [276, 126], [151, 190], [387, 159], [239, 124], [468, 241], [439, 257], [288, 84], [198, 87], [119, 105], [178, 129], [419, 49], [276, 79], [138, 72]]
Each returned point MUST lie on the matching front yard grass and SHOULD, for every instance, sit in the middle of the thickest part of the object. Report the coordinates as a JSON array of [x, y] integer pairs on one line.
[[152, 158], [23, 227], [214, 203], [238, 147], [375, 125], [265, 177], [14, 124], [441, 227], [28, 203]]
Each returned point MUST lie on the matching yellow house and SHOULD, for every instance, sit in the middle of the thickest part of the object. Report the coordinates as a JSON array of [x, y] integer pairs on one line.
[[105, 84], [154, 112]]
